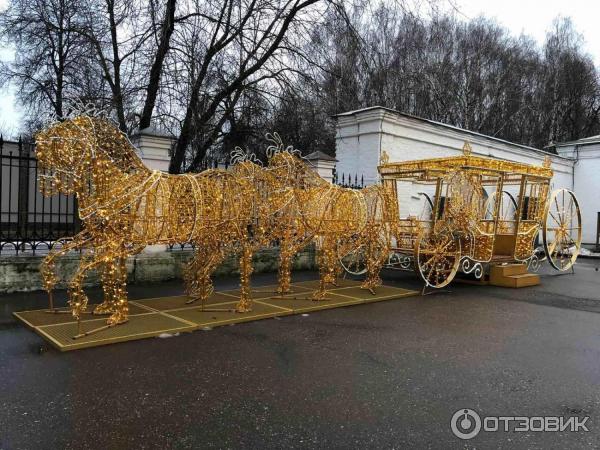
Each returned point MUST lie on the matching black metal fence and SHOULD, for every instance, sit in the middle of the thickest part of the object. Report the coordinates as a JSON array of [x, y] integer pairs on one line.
[[348, 180], [29, 222]]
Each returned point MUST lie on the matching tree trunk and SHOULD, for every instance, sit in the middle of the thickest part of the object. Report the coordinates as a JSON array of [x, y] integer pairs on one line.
[[117, 90], [168, 26]]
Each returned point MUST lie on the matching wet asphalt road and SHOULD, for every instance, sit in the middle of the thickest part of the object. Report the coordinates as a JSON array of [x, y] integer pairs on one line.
[[383, 375]]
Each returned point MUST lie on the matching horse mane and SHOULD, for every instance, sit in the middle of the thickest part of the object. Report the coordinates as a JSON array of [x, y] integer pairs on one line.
[[113, 142], [296, 169]]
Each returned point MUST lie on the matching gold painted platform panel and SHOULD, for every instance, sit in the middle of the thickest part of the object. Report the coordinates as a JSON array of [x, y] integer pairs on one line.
[[154, 316]]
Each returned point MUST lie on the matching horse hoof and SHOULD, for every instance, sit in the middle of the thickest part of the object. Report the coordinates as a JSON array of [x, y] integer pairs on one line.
[[101, 309], [116, 319]]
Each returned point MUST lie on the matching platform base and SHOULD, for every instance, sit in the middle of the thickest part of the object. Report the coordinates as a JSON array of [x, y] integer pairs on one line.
[[170, 315]]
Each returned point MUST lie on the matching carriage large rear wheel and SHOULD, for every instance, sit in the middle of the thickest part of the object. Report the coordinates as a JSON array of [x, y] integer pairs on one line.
[[437, 257], [562, 229]]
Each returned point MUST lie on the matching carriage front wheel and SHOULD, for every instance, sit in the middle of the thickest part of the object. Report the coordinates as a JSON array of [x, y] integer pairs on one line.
[[562, 229], [352, 255], [437, 257]]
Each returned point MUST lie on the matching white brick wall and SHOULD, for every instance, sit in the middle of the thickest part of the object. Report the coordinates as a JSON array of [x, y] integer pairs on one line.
[[586, 185]]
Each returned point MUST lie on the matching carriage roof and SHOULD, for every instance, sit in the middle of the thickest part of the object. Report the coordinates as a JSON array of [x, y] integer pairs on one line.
[[434, 168]]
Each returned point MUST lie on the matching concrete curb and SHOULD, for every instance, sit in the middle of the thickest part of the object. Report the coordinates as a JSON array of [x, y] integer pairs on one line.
[[22, 273]]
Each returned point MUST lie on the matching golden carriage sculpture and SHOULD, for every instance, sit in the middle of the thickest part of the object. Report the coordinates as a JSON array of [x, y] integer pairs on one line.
[[476, 211]]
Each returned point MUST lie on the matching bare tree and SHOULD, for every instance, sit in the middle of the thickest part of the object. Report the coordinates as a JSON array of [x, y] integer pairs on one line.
[[117, 30], [471, 74], [165, 31], [217, 73], [252, 32], [51, 61]]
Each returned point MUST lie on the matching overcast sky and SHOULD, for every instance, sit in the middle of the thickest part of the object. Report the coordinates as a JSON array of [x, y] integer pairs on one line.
[[532, 17]]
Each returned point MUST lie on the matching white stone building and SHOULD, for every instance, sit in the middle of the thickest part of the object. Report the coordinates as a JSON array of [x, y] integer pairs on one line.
[[585, 181], [362, 135]]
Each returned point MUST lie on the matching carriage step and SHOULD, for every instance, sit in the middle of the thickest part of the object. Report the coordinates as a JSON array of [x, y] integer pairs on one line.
[[512, 275], [507, 270]]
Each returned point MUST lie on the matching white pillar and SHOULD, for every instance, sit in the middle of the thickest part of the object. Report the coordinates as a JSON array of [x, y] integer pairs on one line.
[[323, 164], [358, 144], [154, 147]]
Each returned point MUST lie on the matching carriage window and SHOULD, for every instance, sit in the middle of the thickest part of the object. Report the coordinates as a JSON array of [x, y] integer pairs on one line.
[[531, 208], [525, 210], [442, 206]]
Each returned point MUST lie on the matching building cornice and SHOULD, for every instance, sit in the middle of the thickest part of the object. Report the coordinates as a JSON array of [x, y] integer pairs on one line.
[[390, 117], [441, 129]]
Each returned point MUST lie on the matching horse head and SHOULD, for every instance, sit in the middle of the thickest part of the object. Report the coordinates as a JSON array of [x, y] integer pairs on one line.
[[81, 154]]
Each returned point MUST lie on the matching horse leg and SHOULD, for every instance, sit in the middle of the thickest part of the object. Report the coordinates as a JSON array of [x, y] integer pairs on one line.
[[78, 300], [245, 302], [286, 253], [333, 264], [49, 278], [374, 263], [195, 286], [118, 288], [48, 269], [198, 276], [327, 267], [106, 278]]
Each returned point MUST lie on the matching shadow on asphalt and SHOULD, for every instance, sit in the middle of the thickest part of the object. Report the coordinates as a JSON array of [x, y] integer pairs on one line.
[[383, 375]]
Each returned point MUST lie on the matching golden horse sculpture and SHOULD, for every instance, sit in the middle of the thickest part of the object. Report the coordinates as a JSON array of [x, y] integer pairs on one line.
[[296, 206], [336, 219], [124, 206]]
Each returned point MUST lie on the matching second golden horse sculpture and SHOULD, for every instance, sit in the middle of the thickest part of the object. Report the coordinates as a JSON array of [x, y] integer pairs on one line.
[[125, 206]]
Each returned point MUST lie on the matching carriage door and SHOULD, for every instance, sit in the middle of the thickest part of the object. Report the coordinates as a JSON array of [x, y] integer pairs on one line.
[[531, 206]]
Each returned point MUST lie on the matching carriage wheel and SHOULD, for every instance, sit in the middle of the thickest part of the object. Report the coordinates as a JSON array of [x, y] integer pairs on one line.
[[508, 207], [562, 229], [352, 257], [438, 258]]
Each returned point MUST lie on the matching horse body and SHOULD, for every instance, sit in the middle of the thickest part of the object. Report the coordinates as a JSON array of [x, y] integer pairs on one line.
[[295, 206]]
